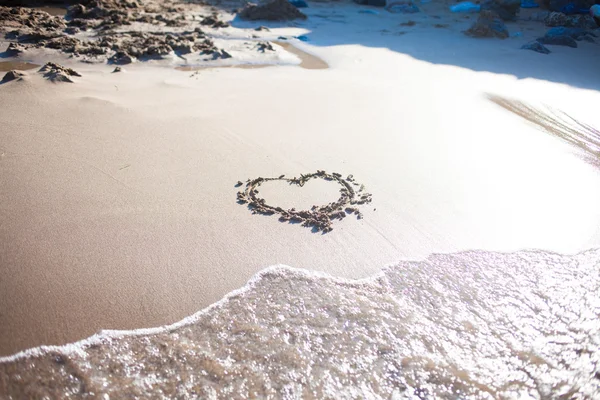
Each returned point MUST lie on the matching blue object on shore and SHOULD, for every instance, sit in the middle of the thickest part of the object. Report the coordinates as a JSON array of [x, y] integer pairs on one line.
[[299, 3], [304, 38], [465, 7], [529, 4]]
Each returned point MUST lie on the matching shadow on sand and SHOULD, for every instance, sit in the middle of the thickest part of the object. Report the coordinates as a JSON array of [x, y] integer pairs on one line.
[[583, 137]]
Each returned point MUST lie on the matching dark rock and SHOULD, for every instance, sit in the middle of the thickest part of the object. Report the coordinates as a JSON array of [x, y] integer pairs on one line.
[[537, 47], [117, 69], [214, 22], [570, 21], [158, 50], [80, 23], [277, 10], [13, 75], [575, 33], [563, 40], [72, 30], [488, 24], [265, 46], [121, 57], [262, 28], [14, 49], [556, 19], [374, 3], [506, 9], [57, 73], [207, 46], [221, 54], [184, 48]]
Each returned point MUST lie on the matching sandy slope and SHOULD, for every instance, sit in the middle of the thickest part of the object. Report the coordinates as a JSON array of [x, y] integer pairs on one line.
[[117, 192]]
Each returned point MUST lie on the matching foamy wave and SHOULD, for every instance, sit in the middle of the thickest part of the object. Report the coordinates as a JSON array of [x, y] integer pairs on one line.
[[466, 325]]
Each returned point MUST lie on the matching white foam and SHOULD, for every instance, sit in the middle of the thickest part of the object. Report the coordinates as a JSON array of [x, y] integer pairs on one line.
[[484, 324]]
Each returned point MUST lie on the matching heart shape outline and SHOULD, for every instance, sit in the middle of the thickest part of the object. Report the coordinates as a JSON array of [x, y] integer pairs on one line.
[[319, 218]]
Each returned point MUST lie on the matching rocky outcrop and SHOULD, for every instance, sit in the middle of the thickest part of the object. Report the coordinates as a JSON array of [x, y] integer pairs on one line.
[[277, 10], [488, 24], [12, 76], [505, 9], [57, 73]]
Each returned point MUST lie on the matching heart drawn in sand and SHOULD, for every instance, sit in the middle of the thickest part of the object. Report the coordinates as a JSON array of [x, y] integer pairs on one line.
[[319, 218]]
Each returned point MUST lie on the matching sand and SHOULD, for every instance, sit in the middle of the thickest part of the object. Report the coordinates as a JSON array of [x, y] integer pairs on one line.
[[118, 207]]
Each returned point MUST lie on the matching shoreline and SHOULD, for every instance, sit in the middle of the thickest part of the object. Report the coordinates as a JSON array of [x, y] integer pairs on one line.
[[120, 201]]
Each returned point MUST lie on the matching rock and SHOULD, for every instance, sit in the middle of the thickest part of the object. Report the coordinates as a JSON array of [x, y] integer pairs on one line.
[[575, 33], [556, 19], [118, 69], [14, 49], [562, 36], [13, 75], [72, 30], [506, 9], [121, 57], [158, 50], [184, 48], [488, 24], [262, 29], [277, 10], [571, 21], [265, 46], [563, 40], [57, 73], [217, 54], [214, 22], [537, 47], [374, 3]]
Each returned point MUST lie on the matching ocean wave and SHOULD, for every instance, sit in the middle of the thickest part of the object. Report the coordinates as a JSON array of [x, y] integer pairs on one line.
[[476, 324]]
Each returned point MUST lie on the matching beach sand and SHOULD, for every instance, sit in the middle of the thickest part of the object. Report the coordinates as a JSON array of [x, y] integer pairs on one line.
[[118, 207]]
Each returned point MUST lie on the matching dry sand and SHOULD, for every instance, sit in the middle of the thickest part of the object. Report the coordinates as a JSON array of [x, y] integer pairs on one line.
[[118, 207]]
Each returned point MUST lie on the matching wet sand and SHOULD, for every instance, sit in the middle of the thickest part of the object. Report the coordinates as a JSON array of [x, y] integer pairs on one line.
[[18, 65], [308, 61], [119, 203]]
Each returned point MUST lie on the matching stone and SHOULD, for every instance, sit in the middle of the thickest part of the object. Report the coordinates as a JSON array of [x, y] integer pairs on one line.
[[374, 3], [14, 49], [121, 57], [277, 10], [563, 40], [488, 24], [570, 21], [537, 47], [12, 76], [57, 73], [506, 9], [217, 54]]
